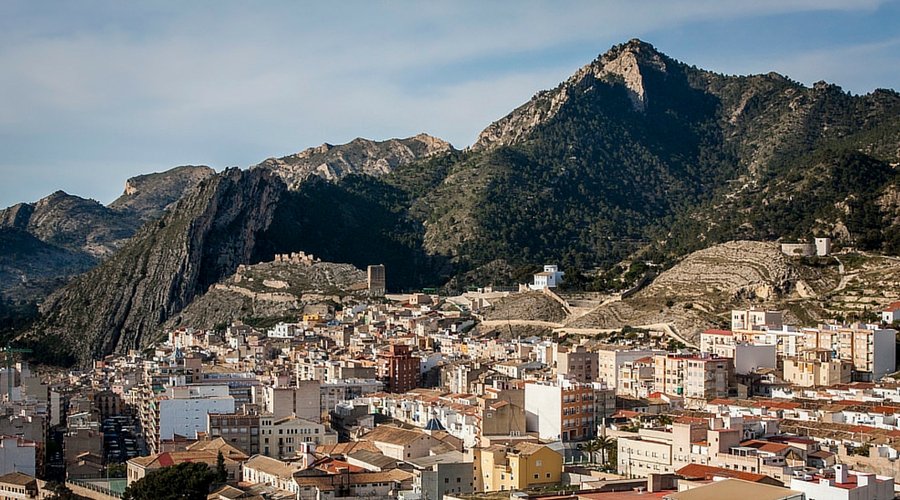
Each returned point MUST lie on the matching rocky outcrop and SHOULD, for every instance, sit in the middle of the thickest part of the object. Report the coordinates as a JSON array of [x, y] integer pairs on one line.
[[205, 237], [273, 290], [147, 196], [359, 156], [623, 65]]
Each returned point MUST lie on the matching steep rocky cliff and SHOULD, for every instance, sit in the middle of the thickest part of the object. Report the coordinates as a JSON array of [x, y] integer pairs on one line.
[[359, 156], [147, 196], [204, 238]]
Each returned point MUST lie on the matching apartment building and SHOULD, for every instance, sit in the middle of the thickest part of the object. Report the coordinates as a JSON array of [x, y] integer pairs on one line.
[[611, 358], [180, 410], [398, 368], [755, 319], [715, 443], [869, 348], [698, 378], [240, 430], [817, 367], [578, 364], [567, 410], [636, 378], [304, 400], [17, 455], [283, 437]]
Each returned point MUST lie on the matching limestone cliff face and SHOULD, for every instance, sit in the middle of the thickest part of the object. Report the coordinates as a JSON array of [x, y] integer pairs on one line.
[[118, 305], [359, 156], [147, 196], [624, 65]]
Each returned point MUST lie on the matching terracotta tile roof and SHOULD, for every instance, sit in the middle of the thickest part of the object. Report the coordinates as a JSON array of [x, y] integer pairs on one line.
[[765, 446], [706, 472], [328, 482], [393, 435]]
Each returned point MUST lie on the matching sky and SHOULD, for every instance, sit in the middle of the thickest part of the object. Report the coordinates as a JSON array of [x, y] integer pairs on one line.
[[94, 92]]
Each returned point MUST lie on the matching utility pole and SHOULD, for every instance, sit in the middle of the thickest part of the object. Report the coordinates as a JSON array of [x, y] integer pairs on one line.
[[10, 351]]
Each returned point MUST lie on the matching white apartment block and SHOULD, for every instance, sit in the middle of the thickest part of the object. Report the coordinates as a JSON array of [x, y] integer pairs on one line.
[[183, 410], [565, 409]]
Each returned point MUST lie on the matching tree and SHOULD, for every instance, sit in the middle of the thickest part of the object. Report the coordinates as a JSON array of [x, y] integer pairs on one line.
[[603, 445], [185, 481], [221, 472]]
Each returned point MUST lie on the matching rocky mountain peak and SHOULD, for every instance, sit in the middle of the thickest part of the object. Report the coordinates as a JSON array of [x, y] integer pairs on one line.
[[625, 64], [359, 156]]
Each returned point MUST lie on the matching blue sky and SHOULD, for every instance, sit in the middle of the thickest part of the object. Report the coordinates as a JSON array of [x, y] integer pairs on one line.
[[93, 92]]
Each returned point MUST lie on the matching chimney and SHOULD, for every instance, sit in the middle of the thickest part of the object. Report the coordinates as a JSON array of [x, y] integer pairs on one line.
[[840, 473]]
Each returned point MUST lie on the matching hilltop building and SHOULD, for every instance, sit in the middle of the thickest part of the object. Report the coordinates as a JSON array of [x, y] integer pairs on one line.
[[551, 277]]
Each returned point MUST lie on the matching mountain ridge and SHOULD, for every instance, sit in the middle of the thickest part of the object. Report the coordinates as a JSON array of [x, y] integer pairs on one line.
[[635, 156]]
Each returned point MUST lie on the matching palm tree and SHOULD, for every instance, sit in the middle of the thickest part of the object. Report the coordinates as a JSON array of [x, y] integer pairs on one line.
[[603, 444]]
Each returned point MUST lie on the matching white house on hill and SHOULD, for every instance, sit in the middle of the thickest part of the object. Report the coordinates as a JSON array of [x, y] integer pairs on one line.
[[550, 278]]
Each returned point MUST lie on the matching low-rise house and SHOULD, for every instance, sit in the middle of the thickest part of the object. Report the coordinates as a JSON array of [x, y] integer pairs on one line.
[[447, 473], [270, 471], [402, 444], [348, 485], [734, 488]]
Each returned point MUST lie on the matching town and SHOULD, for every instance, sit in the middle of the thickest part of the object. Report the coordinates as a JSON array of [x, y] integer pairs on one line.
[[394, 396]]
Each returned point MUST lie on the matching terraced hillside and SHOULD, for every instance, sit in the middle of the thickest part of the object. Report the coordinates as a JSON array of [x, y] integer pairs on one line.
[[527, 306], [699, 292]]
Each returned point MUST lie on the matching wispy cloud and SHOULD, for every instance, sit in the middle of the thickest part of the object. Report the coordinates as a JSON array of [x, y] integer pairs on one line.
[[95, 92]]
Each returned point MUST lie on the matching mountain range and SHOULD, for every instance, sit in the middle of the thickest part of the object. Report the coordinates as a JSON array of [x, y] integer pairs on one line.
[[636, 156]]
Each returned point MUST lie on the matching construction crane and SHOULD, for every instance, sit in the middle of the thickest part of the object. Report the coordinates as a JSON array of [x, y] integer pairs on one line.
[[10, 352]]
